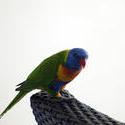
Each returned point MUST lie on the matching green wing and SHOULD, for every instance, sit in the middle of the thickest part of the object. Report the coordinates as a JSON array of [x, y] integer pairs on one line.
[[46, 71], [41, 76]]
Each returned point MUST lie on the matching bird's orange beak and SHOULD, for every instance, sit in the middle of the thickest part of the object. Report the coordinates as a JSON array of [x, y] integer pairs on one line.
[[83, 62]]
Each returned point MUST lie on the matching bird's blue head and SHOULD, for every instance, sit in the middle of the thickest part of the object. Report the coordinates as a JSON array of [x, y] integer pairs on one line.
[[76, 58]]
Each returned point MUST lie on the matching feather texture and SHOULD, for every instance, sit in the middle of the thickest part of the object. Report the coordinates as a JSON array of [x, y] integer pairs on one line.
[[52, 74], [66, 75]]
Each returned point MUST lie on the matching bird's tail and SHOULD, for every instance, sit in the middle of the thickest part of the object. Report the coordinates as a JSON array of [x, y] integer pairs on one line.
[[18, 97]]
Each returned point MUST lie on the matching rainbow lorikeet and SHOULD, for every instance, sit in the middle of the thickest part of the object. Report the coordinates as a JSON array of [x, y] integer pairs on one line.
[[53, 74]]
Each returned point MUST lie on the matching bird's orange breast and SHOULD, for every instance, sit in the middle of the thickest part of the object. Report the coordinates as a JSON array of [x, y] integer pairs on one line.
[[66, 75]]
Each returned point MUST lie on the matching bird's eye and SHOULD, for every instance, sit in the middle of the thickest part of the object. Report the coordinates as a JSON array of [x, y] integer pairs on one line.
[[75, 55]]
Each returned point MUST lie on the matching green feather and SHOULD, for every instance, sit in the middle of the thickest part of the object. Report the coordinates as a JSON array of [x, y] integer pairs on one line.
[[47, 70], [42, 76], [19, 96]]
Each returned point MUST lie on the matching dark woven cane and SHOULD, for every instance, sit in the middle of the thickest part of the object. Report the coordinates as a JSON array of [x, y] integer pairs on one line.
[[66, 110]]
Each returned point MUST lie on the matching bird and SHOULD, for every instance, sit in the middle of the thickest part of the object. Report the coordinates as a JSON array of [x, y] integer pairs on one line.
[[52, 74]]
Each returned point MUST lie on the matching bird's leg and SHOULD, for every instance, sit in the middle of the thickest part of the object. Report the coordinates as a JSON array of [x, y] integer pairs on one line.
[[58, 95], [63, 87]]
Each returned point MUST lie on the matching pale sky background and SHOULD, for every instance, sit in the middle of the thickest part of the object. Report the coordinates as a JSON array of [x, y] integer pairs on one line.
[[31, 30]]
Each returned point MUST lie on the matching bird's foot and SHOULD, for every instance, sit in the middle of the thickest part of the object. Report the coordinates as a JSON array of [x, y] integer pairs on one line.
[[58, 95]]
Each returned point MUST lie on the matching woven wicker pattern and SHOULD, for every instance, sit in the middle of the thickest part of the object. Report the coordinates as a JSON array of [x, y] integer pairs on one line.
[[66, 111]]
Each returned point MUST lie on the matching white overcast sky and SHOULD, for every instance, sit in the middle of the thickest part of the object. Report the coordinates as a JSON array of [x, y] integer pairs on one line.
[[31, 30]]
